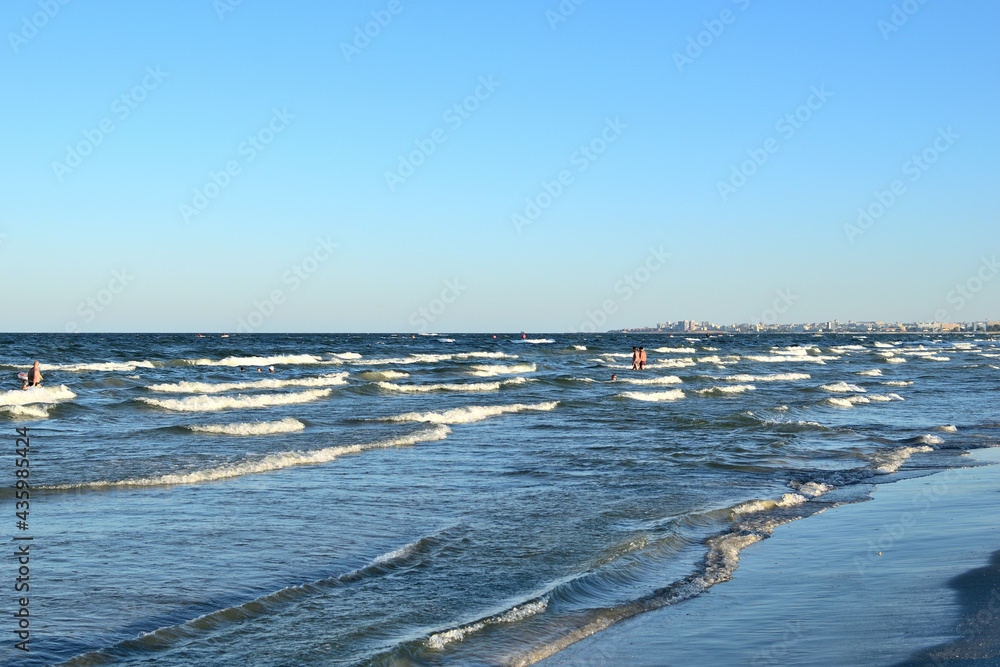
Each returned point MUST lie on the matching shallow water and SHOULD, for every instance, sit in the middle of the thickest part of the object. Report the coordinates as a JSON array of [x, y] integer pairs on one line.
[[392, 500]]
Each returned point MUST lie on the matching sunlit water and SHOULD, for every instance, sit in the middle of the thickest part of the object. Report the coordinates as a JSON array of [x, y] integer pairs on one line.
[[393, 500]]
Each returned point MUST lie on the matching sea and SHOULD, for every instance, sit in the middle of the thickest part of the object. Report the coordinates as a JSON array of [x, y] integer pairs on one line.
[[444, 499]]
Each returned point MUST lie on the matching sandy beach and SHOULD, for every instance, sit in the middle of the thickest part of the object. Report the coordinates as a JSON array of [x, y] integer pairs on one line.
[[911, 577]]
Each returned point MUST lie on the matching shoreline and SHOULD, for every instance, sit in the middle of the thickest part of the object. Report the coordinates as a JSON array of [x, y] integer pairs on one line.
[[910, 577]]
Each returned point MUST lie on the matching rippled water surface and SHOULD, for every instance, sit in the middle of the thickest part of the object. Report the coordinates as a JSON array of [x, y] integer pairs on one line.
[[383, 499]]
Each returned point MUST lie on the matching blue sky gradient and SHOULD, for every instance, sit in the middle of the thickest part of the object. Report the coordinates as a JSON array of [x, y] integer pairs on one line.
[[202, 80]]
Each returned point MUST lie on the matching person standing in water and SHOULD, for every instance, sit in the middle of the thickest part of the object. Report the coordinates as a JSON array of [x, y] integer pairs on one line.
[[34, 377], [635, 358], [642, 358]]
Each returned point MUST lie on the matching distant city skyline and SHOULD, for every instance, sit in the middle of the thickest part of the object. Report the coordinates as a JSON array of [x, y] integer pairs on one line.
[[401, 166]]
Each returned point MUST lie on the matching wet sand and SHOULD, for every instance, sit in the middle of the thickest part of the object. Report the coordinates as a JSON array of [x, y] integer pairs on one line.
[[911, 577]]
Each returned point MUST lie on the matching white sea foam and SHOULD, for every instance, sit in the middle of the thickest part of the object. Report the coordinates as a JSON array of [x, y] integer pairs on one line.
[[841, 388], [874, 372], [534, 341], [382, 375], [895, 360], [439, 640], [889, 461], [656, 396], [671, 363], [269, 383], [811, 489], [673, 350], [286, 425], [468, 386], [947, 429], [268, 463], [281, 359], [885, 398], [726, 389], [897, 383], [107, 366], [774, 377], [848, 402], [787, 500], [205, 403], [491, 370], [929, 439], [777, 358], [666, 379], [36, 395], [434, 358], [470, 414], [26, 412], [580, 347]]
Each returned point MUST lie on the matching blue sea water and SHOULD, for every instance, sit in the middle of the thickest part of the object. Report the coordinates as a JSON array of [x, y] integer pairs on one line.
[[441, 500]]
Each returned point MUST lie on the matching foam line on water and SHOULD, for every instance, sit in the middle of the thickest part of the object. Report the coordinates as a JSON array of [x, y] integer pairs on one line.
[[205, 403], [454, 387], [286, 425], [654, 396], [470, 414], [219, 387], [268, 463]]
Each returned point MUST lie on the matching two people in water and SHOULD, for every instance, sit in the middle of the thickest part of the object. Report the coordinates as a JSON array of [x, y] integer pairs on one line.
[[638, 358], [34, 377]]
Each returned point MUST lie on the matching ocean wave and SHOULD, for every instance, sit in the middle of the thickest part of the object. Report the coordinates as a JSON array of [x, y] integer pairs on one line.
[[31, 395], [947, 429], [773, 377], [106, 366], [665, 379], [268, 463], [752, 506], [655, 396], [897, 383], [439, 640], [726, 389], [434, 358], [491, 370], [218, 387], [205, 403], [884, 398], [468, 386], [26, 412], [534, 341], [890, 460], [671, 363], [470, 414], [786, 358], [673, 350], [281, 359], [811, 489], [841, 388], [874, 372], [286, 425], [382, 375]]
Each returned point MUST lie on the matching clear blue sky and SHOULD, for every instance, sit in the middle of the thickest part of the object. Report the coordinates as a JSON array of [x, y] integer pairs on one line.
[[199, 81]]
